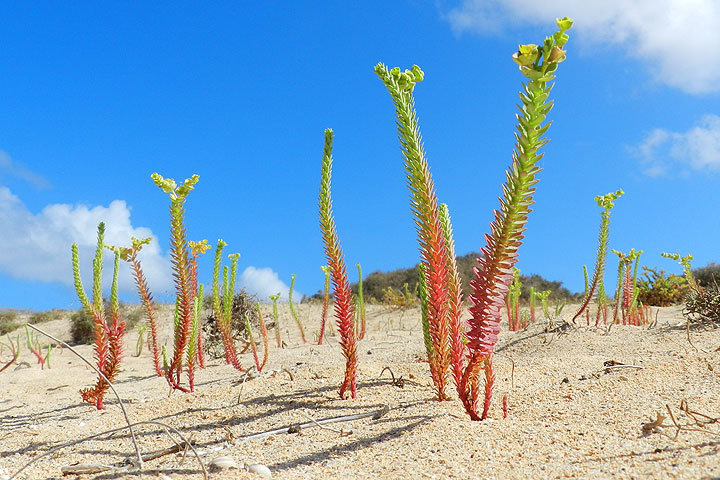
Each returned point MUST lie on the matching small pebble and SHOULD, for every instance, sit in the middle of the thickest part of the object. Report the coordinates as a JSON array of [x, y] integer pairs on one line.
[[223, 463], [260, 469]]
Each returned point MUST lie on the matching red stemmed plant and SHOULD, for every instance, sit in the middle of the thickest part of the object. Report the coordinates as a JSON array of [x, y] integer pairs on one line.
[[180, 259], [434, 252], [494, 272], [326, 303], [108, 329], [130, 255], [344, 305]]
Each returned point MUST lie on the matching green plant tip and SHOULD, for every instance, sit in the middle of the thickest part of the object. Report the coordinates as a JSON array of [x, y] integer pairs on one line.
[[564, 24]]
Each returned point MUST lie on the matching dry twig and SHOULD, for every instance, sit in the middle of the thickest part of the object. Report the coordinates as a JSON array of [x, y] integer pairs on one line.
[[399, 382], [315, 423]]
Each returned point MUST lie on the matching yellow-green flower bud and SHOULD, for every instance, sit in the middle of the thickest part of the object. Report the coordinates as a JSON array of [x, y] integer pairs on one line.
[[564, 23], [526, 55]]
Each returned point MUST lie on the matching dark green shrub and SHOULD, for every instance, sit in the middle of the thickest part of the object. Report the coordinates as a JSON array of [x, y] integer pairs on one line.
[[658, 290], [8, 321], [243, 304], [82, 328], [47, 316], [703, 304], [709, 274]]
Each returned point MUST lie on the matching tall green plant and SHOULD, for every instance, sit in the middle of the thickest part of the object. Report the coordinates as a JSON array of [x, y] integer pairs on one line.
[[344, 307], [223, 303], [513, 302], [183, 275], [455, 298], [626, 292], [326, 302], [130, 255], [274, 299], [195, 342], [422, 293], [292, 309], [685, 263], [494, 272], [606, 202], [424, 205], [109, 329]]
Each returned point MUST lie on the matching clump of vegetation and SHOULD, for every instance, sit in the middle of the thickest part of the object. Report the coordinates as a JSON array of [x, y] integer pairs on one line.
[[707, 275], [8, 321], [46, 316], [512, 304], [659, 289], [401, 299], [702, 304], [263, 333], [82, 329], [33, 344], [130, 255], [243, 305], [626, 294]]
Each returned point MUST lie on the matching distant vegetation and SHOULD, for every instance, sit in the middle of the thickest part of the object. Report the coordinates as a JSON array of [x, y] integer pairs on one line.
[[375, 284], [707, 275]]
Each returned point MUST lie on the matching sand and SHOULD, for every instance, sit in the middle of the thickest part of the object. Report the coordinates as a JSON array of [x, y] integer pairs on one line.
[[568, 416]]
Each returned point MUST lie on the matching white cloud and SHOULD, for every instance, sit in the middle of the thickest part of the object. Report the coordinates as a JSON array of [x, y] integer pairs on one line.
[[37, 246], [15, 169], [263, 282], [697, 148], [678, 39]]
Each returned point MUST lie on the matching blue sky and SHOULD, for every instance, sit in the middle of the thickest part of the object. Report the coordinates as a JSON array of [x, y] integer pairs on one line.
[[96, 97]]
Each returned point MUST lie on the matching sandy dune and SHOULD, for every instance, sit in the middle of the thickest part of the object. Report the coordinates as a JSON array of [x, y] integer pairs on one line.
[[569, 417]]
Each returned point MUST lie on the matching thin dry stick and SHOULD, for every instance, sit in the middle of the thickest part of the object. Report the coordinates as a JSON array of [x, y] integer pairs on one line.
[[296, 428], [85, 469], [610, 367], [341, 432], [247, 372], [109, 432], [705, 420], [168, 451], [122, 406], [399, 382]]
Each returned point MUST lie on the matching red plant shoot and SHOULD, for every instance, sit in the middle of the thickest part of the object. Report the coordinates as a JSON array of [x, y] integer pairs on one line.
[[344, 305], [494, 271], [108, 333]]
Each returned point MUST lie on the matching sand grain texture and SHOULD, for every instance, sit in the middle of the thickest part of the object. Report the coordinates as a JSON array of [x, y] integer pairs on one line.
[[568, 417]]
